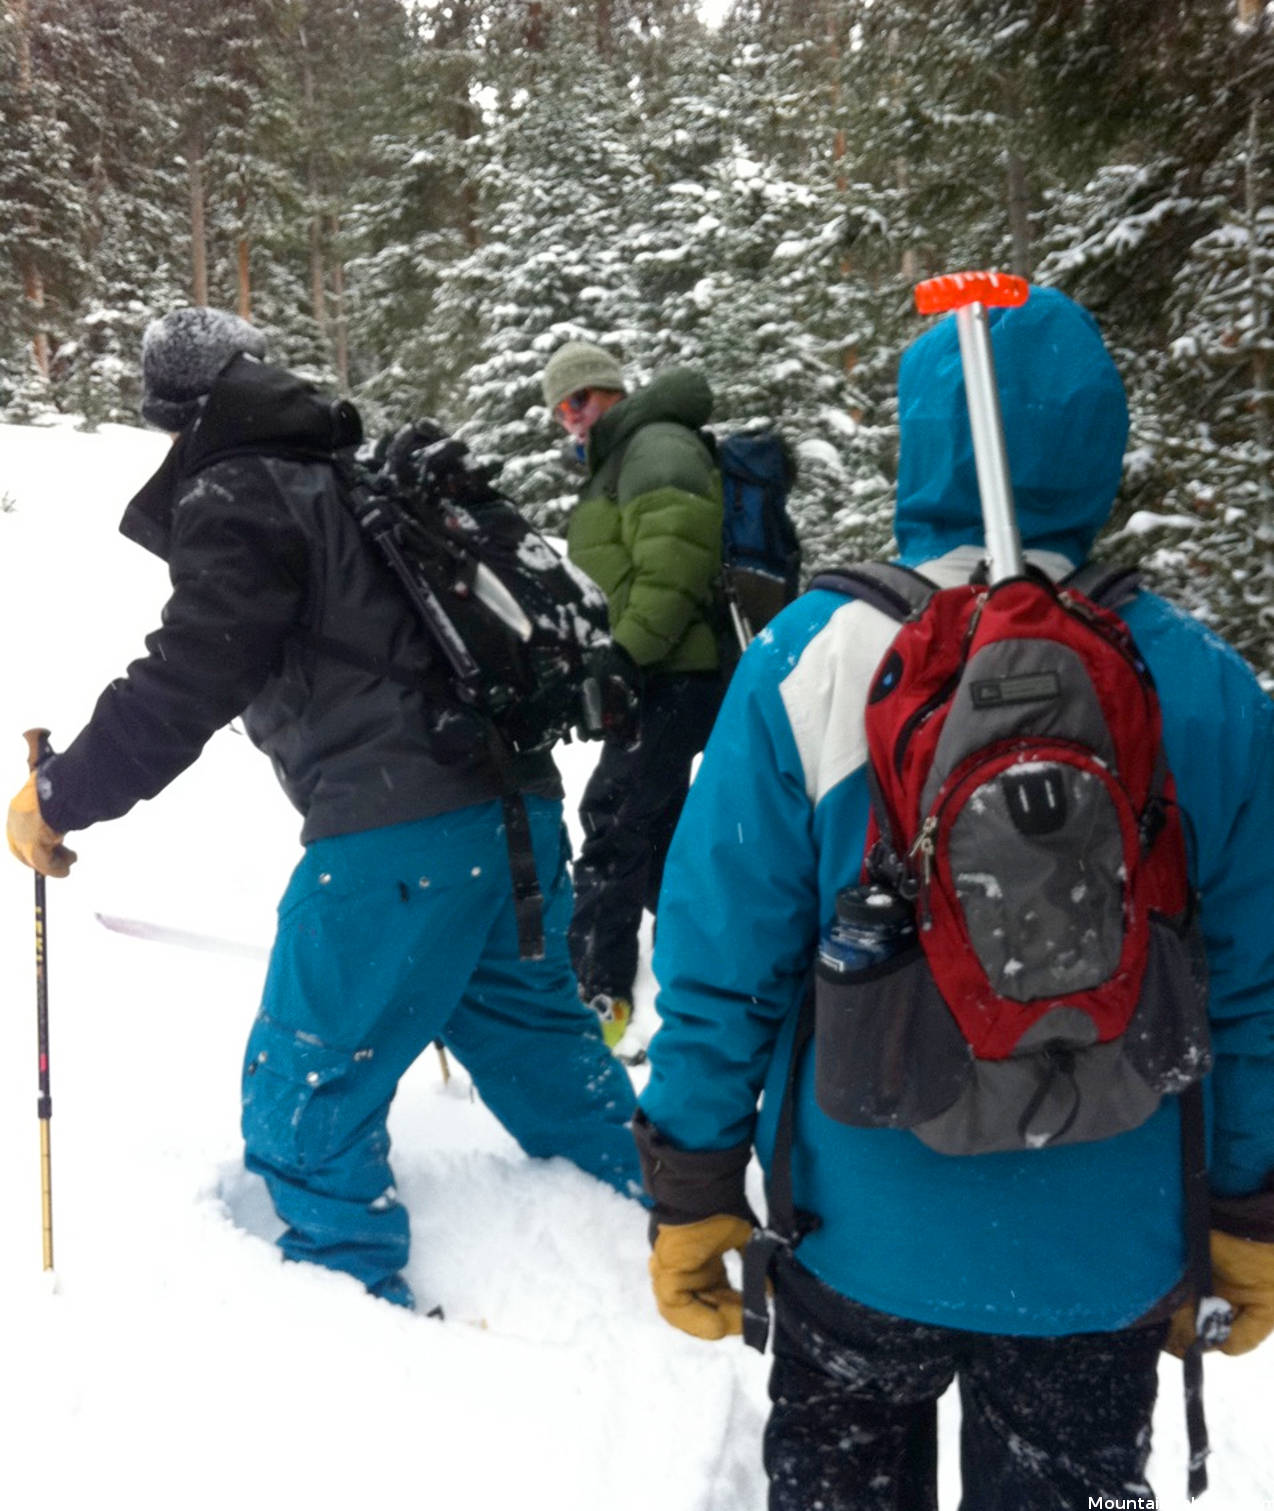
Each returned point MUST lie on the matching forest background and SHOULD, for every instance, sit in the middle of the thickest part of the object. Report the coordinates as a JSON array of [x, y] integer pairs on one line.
[[418, 203]]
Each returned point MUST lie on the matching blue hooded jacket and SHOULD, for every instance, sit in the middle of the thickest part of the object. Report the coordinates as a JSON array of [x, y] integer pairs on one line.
[[1082, 1238]]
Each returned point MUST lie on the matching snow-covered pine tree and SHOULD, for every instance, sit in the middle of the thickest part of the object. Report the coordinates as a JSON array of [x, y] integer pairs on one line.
[[41, 199], [563, 183], [415, 218], [1168, 243], [133, 204], [348, 67]]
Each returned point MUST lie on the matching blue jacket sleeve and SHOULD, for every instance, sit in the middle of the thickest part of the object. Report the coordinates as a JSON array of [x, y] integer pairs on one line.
[[738, 917], [1219, 734]]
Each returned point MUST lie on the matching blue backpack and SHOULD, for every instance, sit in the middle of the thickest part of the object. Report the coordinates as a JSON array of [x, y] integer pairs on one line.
[[760, 552]]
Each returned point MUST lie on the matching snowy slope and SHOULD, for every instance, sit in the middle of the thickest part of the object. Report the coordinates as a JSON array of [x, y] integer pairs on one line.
[[181, 1365]]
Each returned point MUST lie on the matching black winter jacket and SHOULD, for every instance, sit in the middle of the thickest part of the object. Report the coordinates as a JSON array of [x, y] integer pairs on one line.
[[264, 560]]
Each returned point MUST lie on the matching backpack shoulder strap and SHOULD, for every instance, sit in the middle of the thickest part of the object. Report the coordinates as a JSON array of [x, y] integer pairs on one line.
[[896, 591], [1103, 583]]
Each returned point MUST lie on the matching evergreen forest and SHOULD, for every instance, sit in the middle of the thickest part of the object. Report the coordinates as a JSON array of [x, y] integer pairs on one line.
[[419, 202]]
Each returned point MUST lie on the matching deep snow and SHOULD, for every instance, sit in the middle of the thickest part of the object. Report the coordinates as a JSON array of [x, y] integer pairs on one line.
[[180, 1364]]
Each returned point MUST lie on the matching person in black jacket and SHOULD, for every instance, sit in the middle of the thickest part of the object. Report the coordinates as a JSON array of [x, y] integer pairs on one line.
[[398, 927]]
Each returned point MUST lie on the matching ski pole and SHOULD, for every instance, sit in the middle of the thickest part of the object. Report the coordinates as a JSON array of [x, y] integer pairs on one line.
[[969, 295], [38, 748]]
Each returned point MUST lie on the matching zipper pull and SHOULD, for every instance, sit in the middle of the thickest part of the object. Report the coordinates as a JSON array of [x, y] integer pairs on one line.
[[923, 847]]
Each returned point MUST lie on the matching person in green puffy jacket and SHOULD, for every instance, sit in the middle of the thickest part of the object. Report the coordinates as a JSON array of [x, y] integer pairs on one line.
[[647, 530]]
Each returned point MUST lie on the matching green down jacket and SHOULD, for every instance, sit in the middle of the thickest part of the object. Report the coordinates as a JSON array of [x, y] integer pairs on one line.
[[647, 528]]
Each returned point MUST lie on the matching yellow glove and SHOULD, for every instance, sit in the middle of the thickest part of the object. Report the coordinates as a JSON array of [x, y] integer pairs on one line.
[[31, 839], [1243, 1273], [687, 1270]]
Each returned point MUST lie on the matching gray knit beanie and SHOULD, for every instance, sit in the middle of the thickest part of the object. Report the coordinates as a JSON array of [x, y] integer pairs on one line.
[[182, 357], [579, 364]]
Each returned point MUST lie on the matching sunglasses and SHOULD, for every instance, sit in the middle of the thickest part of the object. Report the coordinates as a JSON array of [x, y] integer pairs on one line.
[[575, 403]]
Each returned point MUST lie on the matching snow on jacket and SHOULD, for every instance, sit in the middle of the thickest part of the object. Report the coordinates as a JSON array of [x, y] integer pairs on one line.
[[1087, 1237], [263, 558], [647, 528]]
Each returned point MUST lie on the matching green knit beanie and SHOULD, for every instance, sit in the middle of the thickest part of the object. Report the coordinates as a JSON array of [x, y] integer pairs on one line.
[[579, 364]]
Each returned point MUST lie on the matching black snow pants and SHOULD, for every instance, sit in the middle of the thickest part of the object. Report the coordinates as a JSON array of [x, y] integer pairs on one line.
[[1047, 1424], [628, 812]]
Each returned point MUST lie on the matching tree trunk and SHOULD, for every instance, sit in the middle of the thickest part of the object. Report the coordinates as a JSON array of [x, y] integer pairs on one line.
[[198, 234], [907, 263], [535, 26], [1019, 215], [340, 331], [318, 302], [244, 305], [1262, 400], [32, 275]]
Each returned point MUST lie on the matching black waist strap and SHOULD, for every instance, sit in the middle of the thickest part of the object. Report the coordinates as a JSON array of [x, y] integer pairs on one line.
[[785, 1226], [528, 900], [1212, 1315]]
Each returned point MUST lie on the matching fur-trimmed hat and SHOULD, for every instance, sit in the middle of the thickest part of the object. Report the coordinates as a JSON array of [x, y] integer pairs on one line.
[[579, 364], [182, 357]]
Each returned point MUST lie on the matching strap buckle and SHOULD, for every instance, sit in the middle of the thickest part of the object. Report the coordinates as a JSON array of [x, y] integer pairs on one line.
[[758, 1264]]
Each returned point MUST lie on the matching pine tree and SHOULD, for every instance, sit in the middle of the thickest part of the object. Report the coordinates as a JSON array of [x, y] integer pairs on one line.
[[41, 200]]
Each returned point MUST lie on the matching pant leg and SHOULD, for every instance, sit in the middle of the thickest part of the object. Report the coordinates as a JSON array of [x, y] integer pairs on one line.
[[378, 935], [629, 811], [1058, 1424], [854, 1393], [535, 1052], [694, 707]]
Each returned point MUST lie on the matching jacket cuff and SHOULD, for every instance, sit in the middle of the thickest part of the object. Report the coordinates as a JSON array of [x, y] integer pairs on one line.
[[687, 1185], [1247, 1216], [51, 809]]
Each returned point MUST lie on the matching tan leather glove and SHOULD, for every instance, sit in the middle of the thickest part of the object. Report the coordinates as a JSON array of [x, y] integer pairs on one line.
[[31, 839], [687, 1270], [1243, 1273]]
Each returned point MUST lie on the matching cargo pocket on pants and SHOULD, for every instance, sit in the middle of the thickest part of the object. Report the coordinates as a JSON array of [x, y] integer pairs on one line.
[[291, 1097]]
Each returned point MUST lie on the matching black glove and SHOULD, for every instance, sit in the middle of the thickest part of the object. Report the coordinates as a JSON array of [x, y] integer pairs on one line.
[[616, 710]]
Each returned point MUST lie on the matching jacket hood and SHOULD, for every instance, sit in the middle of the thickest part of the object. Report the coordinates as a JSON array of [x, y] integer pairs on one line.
[[256, 407], [253, 409], [681, 395], [1065, 426]]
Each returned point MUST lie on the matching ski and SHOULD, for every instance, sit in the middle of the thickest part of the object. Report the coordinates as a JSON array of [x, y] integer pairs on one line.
[[158, 933]]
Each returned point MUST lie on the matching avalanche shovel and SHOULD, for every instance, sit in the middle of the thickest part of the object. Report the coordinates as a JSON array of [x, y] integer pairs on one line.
[[38, 748], [970, 295]]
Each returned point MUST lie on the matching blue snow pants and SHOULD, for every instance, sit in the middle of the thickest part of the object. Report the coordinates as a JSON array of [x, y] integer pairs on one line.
[[387, 940]]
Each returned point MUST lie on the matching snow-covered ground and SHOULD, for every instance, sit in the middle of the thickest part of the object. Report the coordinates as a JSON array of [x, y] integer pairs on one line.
[[179, 1365]]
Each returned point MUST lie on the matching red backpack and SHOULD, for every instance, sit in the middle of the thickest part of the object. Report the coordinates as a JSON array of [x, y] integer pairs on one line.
[[1022, 803]]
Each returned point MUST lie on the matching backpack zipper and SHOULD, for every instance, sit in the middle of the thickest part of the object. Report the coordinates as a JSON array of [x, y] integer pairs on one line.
[[943, 693]]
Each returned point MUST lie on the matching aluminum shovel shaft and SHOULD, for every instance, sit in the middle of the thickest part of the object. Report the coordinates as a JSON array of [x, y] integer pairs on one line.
[[999, 523], [969, 294]]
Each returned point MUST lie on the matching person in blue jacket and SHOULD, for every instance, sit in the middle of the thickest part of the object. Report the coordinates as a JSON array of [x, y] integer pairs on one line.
[[399, 926], [1044, 1279]]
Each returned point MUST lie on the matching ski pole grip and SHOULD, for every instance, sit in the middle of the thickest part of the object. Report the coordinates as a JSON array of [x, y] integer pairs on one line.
[[38, 747], [938, 296]]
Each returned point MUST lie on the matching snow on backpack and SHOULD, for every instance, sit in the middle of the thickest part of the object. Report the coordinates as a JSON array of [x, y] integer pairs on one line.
[[512, 622], [760, 552], [513, 625], [1052, 991]]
